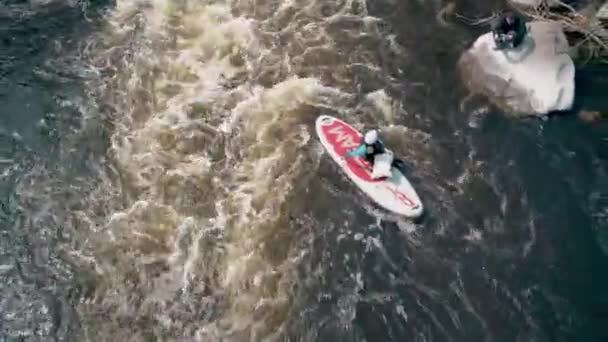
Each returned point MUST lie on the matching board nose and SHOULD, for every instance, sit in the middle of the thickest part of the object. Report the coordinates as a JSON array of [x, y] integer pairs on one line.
[[324, 119]]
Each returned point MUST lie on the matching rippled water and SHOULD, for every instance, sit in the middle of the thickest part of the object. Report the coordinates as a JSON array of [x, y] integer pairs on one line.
[[162, 180]]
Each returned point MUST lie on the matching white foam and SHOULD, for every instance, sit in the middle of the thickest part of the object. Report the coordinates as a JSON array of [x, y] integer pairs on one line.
[[168, 56], [401, 312], [385, 104]]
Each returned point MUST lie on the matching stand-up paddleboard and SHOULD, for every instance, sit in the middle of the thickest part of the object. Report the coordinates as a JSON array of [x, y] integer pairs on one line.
[[395, 193]]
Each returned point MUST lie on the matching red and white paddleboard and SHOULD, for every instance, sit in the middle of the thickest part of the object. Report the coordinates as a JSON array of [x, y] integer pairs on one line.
[[394, 193]]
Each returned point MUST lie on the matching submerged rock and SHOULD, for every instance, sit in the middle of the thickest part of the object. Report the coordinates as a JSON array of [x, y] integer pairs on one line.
[[602, 13], [590, 115], [536, 3], [535, 78]]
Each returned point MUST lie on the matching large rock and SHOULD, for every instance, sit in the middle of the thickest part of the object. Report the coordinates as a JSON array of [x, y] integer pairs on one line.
[[535, 79]]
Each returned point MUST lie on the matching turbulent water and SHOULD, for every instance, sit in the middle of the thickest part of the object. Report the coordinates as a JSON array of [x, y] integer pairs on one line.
[[162, 181]]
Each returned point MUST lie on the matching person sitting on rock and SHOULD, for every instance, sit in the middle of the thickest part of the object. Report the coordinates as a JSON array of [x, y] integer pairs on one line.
[[509, 31]]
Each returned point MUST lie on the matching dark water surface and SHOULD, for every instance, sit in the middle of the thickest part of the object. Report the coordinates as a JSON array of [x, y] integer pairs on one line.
[[39, 83], [161, 180]]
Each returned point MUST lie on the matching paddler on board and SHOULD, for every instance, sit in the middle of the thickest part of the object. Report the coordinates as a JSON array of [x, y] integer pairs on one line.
[[371, 146]]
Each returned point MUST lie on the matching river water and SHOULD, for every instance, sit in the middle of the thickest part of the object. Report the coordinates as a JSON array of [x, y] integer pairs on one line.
[[162, 180]]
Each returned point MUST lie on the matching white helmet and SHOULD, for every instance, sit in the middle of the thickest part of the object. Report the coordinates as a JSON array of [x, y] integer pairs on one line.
[[371, 137]]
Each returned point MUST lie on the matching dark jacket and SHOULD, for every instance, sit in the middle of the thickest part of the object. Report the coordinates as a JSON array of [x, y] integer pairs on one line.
[[367, 151]]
